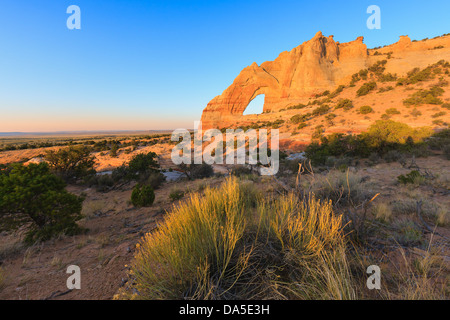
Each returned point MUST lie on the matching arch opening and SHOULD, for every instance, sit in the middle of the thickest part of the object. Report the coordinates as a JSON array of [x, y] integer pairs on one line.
[[256, 106]]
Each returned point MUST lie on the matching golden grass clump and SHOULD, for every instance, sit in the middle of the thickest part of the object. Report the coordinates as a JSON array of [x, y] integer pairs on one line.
[[231, 243]]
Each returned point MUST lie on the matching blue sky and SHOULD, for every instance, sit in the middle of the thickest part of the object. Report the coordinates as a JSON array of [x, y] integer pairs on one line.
[[140, 65]]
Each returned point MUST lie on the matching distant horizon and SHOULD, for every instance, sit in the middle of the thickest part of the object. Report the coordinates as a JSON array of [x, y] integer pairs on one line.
[[23, 133]]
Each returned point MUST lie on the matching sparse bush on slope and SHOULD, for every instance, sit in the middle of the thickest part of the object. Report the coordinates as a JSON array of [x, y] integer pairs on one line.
[[71, 163], [234, 244], [34, 197], [366, 88], [142, 196]]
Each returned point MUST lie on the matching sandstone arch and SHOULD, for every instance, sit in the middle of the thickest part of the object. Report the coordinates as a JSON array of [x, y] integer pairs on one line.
[[256, 105], [315, 66]]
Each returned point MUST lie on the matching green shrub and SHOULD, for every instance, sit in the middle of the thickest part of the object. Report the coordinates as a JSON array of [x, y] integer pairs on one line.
[[381, 137], [392, 111], [345, 104], [408, 233], [388, 77], [415, 113], [422, 96], [140, 167], [300, 118], [32, 195], [365, 110], [155, 180], [302, 125], [141, 163], [176, 194], [394, 156], [101, 183], [336, 92], [366, 88], [411, 177], [200, 171], [439, 114], [72, 163], [296, 107], [323, 109], [446, 106], [446, 150], [142, 196], [378, 67], [385, 89], [114, 150]]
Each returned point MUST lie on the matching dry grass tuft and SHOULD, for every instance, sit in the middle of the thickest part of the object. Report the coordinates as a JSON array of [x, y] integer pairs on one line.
[[232, 243]]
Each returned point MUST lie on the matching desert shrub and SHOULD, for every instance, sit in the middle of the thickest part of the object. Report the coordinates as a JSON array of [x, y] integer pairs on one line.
[[408, 233], [363, 74], [215, 247], [329, 118], [439, 114], [415, 113], [142, 196], [394, 156], [323, 109], [241, 170], [120, 173], [300, 118], [142, 162], [155, 180], [336, 92], [392, 111], [381, 137], [296, 107], [33, 196], [176, 194], [318, 132], [387, 77], [385, 89], [302, 125], [365, 110], [114, 150], [340, 187], [438, 122], [341, 163], [72, 163], [374, 158], [382, 133], [422, 96], [446, 106], [419, 150], [378, 67], [101, 183], [345, 104], [200, 171], [446, 150], [416, 75], [439, 140], [140, 167], [412, 177], [366, 88]]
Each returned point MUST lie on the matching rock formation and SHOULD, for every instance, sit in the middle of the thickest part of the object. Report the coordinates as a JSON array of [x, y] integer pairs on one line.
[[315, 66]]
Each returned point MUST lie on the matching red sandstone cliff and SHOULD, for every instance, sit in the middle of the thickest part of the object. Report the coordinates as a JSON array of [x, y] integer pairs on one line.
[[315, 66]]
